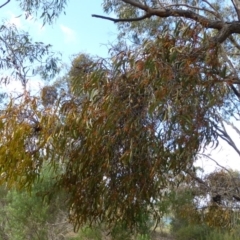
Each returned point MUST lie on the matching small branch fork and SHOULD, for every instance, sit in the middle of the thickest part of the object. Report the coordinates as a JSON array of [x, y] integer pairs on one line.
[[225, 29]]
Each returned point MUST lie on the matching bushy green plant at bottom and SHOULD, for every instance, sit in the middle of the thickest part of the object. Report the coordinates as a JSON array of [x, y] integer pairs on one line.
[[143, 237], [87, 233], [29, 216], [189, 232], [119, 232], [223, 235], [203, 232]]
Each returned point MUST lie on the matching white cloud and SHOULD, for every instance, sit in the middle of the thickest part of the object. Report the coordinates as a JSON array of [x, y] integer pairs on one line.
[[33, 23], [26, 23], [69, 34], [15, 87], [15, 20]]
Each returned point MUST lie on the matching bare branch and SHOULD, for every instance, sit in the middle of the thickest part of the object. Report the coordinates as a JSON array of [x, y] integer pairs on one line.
[[234, 42], [215, 11], [236, 7], [199, 180], [225, 29], [196, 8], [225, 136], [234, 127], [4, 4], [219, 165], [137, 4], [230, 64], [115, 20], [236, 92]]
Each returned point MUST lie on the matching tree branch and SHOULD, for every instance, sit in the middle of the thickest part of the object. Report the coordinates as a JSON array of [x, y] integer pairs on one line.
[[224, 168], [225, 136], [215, 11], [235, 91], [233, 126], [236, 7], [224, 29], [115, 20], [8, 1], [234, 42], [196, 8], [199, 180]]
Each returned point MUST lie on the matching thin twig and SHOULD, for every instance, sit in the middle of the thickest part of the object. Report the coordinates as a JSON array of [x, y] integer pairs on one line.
[[234, 127], [234, 42], [236, 7], [192, 7], [217, 14]]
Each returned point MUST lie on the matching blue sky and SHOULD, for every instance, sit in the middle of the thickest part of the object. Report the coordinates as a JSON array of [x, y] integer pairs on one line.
[[72, 33]]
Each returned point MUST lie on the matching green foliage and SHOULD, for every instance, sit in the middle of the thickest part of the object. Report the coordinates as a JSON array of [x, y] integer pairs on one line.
[[82, 66], [48, 10], [131, 125], [194, 216], [118, 232], [48, 95], [20, 57], [154, 25], [233, 234], [23, 57], [87, 233], [126, 130], [197, 232], [218, 235], [202, 232], [26, 216], [185, 214]]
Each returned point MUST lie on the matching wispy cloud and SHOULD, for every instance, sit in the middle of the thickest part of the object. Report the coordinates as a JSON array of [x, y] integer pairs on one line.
[[15, 20], [15, 87], [35, 24], [25, 23], [69, 34]]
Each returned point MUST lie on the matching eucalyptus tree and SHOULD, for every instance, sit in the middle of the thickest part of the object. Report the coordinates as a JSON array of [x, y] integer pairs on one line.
[[181, 85], [134, 123]]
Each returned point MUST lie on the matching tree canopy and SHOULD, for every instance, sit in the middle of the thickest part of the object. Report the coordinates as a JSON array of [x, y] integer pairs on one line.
[[126, 129]]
